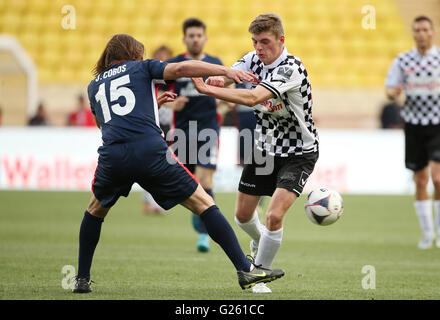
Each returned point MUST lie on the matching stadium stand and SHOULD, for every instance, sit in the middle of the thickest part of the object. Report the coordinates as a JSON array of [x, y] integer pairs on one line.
[[326, 34]]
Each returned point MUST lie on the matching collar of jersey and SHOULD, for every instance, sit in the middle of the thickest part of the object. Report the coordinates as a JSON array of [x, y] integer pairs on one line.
[[186, 56], [280, 59], [112, 65], [430, 52]]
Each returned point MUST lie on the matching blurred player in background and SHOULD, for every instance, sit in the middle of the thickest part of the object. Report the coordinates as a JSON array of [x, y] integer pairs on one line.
[[149, 206], [192, 106], [82, 116], [40, 117], [246, 121], [284, 136], [417, 73], [123, 100]]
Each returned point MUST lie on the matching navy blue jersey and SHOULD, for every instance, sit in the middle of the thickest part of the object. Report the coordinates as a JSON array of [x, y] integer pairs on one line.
[[200, 107], [123, 98]]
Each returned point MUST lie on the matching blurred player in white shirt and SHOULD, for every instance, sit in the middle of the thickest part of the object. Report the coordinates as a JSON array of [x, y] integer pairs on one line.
[[417, 73]]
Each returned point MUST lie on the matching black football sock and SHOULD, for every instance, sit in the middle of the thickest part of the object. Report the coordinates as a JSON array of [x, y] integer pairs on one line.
[[221, 232], [89, 233]]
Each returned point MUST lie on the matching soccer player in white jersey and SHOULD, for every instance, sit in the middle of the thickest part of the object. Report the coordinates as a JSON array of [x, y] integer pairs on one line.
[[417, 73], [284, 135]]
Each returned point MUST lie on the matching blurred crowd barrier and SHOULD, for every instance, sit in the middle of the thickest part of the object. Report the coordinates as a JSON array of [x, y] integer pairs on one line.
[[351, 161]]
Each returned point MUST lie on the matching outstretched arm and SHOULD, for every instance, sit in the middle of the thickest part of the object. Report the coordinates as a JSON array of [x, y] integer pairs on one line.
[[241, 96], [194, 68]]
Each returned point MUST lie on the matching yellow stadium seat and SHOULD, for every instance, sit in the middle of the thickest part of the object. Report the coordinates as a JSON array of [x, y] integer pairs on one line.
[[326, 34]]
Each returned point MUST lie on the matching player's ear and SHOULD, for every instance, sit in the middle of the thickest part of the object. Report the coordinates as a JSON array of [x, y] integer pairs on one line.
[[282, 38]]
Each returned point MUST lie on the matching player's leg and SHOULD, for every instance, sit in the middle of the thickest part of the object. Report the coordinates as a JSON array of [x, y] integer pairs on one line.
[[246, 217], [218, 228], [205, 177], [110, 182], [251, 187], [89, 234], [434, 164], [175, 184], [221, 232], [423, 207], [271, 238], [416, 159], [435, 175]]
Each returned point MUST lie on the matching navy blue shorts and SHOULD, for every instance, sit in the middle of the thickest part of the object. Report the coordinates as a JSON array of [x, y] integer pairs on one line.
[[148, 163]]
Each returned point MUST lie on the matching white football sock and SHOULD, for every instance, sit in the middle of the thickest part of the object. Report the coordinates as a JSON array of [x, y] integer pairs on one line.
[[437, 216], [253, 227], [424, 212], [270, 242]]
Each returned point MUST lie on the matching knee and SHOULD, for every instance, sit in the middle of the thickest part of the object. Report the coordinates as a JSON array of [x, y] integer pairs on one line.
[[274, 220], [97, 212], [199, 201], [436, 182], [243, 216], [421, 180], [95, 208]]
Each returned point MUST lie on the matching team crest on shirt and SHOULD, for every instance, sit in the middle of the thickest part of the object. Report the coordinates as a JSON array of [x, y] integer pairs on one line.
[[285, 72]]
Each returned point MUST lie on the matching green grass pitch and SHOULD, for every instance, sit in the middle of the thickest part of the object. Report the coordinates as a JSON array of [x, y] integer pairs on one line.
[[154, 257]]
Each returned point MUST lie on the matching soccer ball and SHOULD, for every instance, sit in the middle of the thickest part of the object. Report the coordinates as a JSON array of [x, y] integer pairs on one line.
[[324, 206]]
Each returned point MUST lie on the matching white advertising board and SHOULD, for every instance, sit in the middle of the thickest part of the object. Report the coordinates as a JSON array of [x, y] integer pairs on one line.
[[357, 161]]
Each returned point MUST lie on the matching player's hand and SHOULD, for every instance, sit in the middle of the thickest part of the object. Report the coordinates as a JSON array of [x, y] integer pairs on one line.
[[216, 81], [239, 76], [166, 97], [393, 93], [200, 85], [180, 103]]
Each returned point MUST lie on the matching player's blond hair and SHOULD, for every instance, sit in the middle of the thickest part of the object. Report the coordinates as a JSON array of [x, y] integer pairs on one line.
[[267, 22]]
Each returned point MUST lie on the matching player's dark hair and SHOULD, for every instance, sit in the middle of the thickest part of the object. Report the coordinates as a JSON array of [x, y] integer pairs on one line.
[[424, 18], [193, 22], [119, 47], [267, 22]]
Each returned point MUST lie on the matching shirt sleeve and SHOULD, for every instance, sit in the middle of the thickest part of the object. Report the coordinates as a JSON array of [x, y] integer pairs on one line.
[[154, 68], [242, 64], [91, 99], [395, 76], [284, 78]]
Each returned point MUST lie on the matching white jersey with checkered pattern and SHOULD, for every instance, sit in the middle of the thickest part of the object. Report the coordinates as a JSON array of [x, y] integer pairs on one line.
[[284, 122], [420, 76]]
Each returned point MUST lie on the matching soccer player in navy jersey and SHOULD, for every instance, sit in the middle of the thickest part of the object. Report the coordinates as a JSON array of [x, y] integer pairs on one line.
[[200, 111], [122, 98]]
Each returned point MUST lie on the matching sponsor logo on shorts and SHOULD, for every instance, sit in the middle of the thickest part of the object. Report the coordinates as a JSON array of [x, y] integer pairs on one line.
[[249, 185], [303, 179]]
